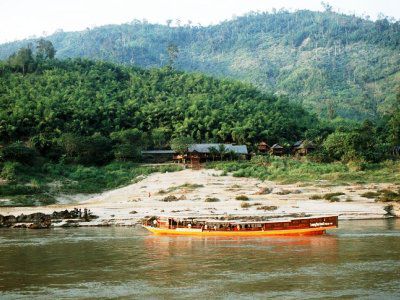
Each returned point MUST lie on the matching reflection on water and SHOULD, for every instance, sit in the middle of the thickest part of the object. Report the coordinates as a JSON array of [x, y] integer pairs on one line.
[[361, 258]]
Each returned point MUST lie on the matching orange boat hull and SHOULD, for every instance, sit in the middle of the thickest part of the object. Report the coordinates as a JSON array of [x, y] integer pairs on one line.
[[258, 233]]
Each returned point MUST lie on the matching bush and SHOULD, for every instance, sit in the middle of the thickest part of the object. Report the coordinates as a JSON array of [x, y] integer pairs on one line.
[[268, 207], [170, 198], [211, 199], [95, 149], [245, 205], [10, 170], [388, 196], [242, 198], [19, 189], [125, 152], [18, 152], [334, 199], [370, 195], [333, 196]]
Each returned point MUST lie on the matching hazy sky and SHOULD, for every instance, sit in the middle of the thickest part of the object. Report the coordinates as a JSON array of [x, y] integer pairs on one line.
[[24, 18]]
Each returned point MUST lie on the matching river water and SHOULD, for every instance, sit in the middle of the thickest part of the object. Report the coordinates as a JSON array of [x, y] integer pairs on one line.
[[361, 259]]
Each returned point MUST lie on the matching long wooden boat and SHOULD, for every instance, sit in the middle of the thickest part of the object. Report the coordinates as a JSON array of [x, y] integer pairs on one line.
[[214, 227]]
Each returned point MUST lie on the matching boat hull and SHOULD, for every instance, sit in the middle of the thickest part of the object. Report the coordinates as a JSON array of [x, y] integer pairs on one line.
[[258, 233]]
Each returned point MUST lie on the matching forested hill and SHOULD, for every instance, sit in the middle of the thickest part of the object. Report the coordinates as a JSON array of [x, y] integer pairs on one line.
[[85, 98], [332, 63]]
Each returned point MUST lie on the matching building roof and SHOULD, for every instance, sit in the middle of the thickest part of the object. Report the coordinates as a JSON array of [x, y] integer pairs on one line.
[[298, 143], [303, 144], [276, 146], [205, 148], [158, 152]]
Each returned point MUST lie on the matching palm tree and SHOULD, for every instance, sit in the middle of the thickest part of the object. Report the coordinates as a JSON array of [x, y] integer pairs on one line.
[[213, 152], [221, 151]]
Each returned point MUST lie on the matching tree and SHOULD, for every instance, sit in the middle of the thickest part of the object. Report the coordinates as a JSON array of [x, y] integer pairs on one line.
[[326, 6], [222, 151], [45, 49], [181, 144], [94, 149], [128, 144], [213, 152], [159, 136], [173, 52], [22, 60], [394, 123]]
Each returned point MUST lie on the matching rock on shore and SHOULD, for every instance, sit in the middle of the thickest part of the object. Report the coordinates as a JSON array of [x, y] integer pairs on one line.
[[40, 220]]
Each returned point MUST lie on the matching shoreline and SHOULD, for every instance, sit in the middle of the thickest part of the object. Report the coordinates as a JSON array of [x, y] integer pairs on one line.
[[192, 193]]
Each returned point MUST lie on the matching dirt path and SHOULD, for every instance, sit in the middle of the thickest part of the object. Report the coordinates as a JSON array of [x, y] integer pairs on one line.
[[125, 206]]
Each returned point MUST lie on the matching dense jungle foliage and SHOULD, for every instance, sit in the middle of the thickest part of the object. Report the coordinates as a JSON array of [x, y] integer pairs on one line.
[[92, 112], [334, 64]]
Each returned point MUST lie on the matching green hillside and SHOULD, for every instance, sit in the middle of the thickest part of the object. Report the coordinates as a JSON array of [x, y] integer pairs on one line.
[[83, 97], [334, 64]]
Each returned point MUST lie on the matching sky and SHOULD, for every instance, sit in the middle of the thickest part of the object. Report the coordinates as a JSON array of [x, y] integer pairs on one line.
[[32, 18]]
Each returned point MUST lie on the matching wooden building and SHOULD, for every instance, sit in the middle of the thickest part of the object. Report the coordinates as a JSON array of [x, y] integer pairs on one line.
[[198, 153], [303, 147], [158, 156], [277, 150], [263, 147]]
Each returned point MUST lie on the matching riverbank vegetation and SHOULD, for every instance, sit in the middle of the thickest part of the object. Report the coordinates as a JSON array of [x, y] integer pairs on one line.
[[41, 184], [289, 170]]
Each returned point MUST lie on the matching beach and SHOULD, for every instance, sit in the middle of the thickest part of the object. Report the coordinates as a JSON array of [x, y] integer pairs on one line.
[[208, 193]]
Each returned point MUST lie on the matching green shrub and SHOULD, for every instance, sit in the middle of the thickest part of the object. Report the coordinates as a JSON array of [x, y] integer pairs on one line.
[[211, 199], [242, 198], [334, 199], [170, 198], [245, 205], [268, 207], [315, 197], [18, 189], [370, 195], [388, 196], [332, 196], [284, 192], [18, 152], [10, 170]]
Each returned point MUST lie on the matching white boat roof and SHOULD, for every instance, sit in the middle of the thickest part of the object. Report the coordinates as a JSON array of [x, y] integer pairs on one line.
[[276, 220]]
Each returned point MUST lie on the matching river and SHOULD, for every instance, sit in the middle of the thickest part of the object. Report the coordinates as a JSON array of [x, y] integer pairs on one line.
[[361, 259]]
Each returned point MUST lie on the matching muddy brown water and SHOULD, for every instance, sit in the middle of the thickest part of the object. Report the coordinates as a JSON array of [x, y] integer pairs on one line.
[[361, 259]]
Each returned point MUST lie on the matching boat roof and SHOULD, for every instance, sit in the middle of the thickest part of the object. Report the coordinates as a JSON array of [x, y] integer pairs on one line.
[[277, 220]]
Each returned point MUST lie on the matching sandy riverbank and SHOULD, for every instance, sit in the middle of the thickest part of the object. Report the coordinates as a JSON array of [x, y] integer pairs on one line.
[[125, 206]]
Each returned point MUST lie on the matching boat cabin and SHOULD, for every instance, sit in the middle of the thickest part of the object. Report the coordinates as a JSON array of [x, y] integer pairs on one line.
[[201, 225]]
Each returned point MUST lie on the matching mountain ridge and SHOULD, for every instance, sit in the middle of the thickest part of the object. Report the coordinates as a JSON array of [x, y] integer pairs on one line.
[[333, 64]]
